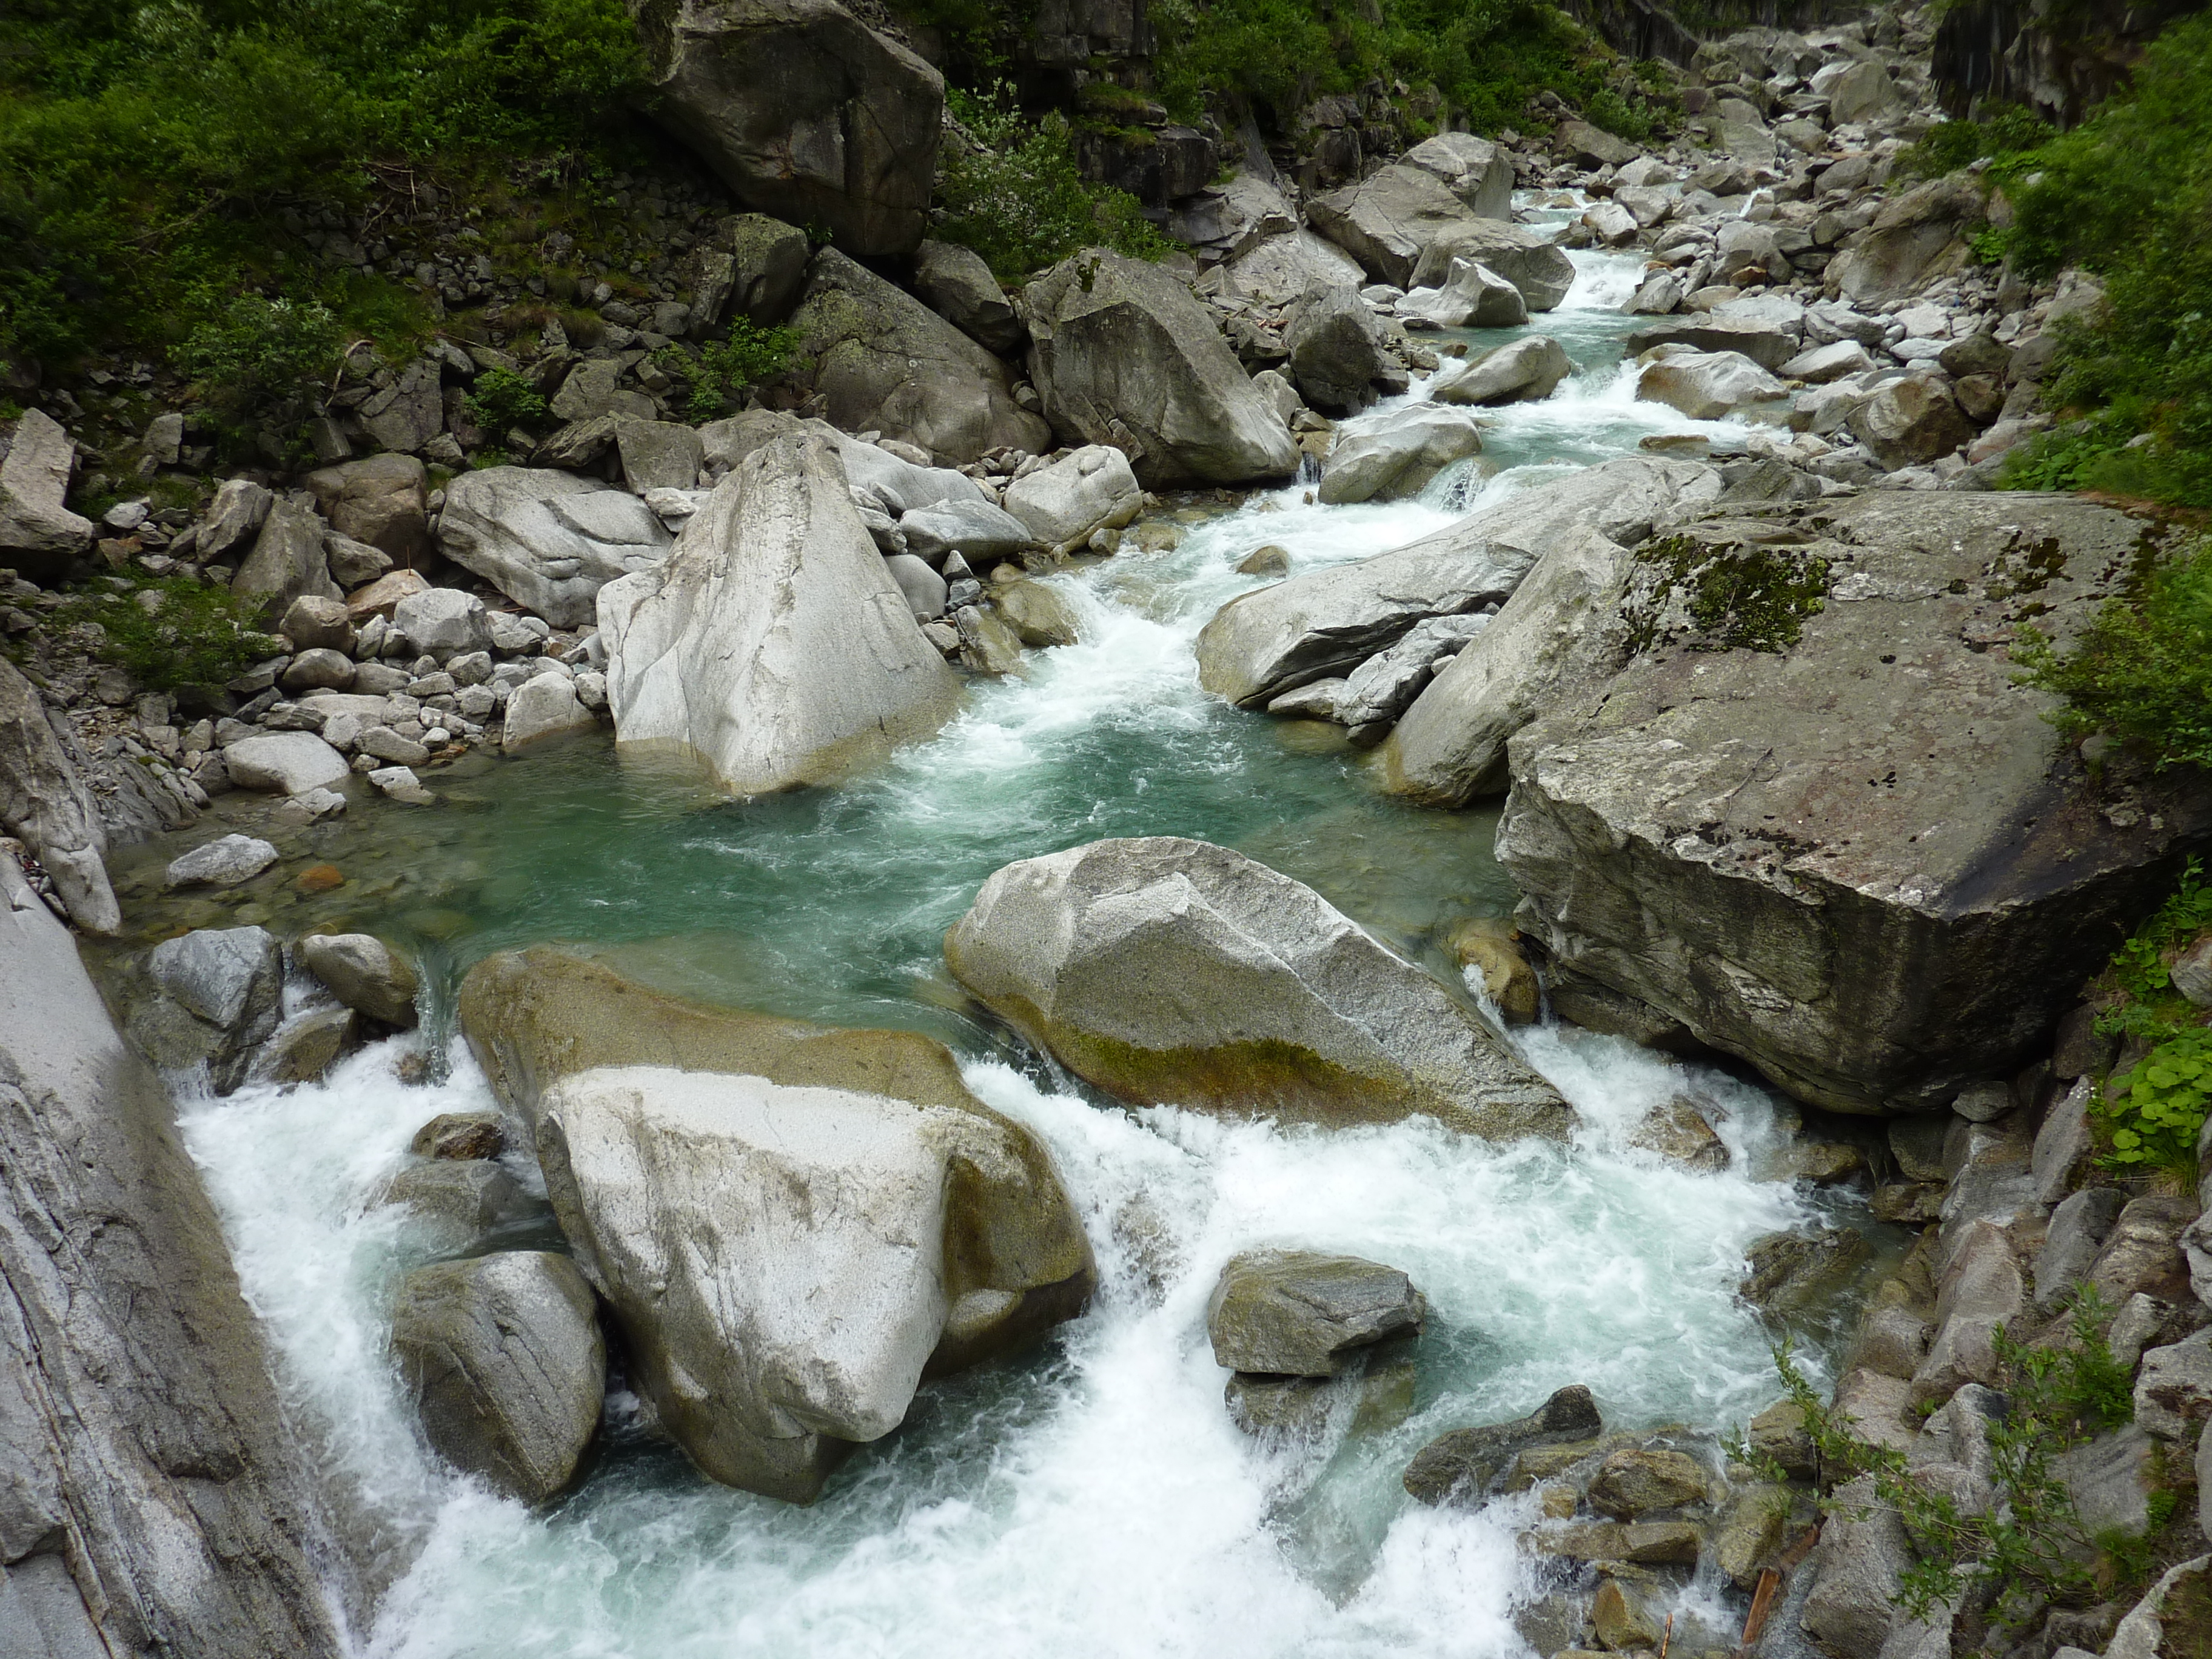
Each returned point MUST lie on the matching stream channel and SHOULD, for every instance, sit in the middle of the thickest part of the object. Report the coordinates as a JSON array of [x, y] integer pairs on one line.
[[1094, 1499]]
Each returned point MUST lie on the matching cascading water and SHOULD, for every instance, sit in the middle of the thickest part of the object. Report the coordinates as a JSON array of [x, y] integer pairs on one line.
[[1095, 1499]]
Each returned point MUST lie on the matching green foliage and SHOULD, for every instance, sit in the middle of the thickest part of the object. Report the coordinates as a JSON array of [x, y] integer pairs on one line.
[[2005, 131], [1757, 597], [2139, 967], [2128, 194], [173, 633], [2149, 1115], [259, 351], [1017, 199], [502, 399], [718, 372], [2142, 670]]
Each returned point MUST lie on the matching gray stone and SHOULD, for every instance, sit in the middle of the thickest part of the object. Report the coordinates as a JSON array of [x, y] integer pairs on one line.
[[400, 783], [1336, 345], [1690, 872], [461, 1136], [884, 361], [319, 669], [1707, 386], [458, 1203], [228, 976], [1400, 460], [1296, 1313], [1476, 170], [1471, 296], [1981, 1290], [2111, 1481], [2142, 1634], [1162, 970], [657, 455], [548, 540], [1677, 1130], [313, 622], [1529, 259], [1064, 504], [154, 1500], [1038, 615], [767, 270], [1635, 1482], [381, 503], [305, 1045], [1822, 363], [2064, 1145], [1459, 1466], [1379, 690], [409, 413], [383, 743], [841, 1244], [805, 112], [286, 562], [1122, 354], [441, 622], [1281, 271], [363, 972], [1788, 1273], [773, 646], [1527, 371], [954, 283], [239, 508], [924, 588], [546, 706], [989, 643], [43, 799], [2143, 1253], [2173, 1389], [503, 1356], [984, 534], [1590, 147], [39, 535], [1915, 239], [223, 863], [284, 762], [1862, 1554], [1910, 420]]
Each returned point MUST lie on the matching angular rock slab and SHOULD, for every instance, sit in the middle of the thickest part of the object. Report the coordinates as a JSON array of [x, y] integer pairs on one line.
[[1864, 862], [773, 648], [1460, 1466], [1169, 971], [786, 1262], [43, 799], [504, 1356], [39, 535], [547, 539], [1299, 1313], [805, 111], [1123, 354]]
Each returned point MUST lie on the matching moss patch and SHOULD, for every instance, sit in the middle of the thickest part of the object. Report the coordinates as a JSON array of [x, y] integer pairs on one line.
[[1721, 596]]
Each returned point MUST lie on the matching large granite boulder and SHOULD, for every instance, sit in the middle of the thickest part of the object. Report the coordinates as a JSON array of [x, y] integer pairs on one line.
[[786, 1262], [1915, 238], [803, 110], [286, 560], [1528, 370], [884, 361], [365, 974], [1167, 970], [773, 648], [1390, 220], [1478, 171], [155, 1502], [1398, 459], [1816, 819], [1123, 353], [382, 502], [1767, 342], [1283, 269], [214, 996], [1336, 345], [44, 800], [1529, 260], [956, 283], [1707, 386], [1063, 504], [753, 268], [503, 1357], [39, 535], [549, 540], [1299, 1313], [1471, 296]]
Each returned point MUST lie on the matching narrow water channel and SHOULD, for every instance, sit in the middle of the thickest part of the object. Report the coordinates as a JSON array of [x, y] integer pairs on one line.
[[1095, 1498]]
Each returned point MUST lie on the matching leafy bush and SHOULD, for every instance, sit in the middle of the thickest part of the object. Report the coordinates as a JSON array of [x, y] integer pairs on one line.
[[173, 633], [718, 372], [2143, 671], [2149, 1116], [259, 351], [502, 399], [2004, 130], [1017, 198]]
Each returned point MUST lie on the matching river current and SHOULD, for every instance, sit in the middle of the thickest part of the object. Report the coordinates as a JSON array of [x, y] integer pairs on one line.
[[1095, 1498]]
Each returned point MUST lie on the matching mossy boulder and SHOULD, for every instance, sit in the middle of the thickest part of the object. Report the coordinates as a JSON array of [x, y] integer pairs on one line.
[[1172, 971]]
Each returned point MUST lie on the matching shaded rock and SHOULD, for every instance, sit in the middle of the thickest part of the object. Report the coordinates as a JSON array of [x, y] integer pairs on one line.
[[884, 361], [768, 268], [313, 622], [364, 973], [984, 534], [548, 540], [1981, 1290], [1460, 1465], [1268, 561], [1690, 872], [1705, 386], [2173, 1389], [1626, 1618], [458, 1203], [1374, 1393], [1527, 371], [237, 512], [1779, 1433], [223, 863], [1917, 238], [657, 455], [39, 535], [382, 596], [1283, 270], [1296, 1313], [1165, 969], [1590, 147], [924, 588], [2142, 1255], [1038, 615], [1529, 259], [955, 284], [286, 560], [441, 622], [380, 501], [1750, 1533], [503, 1356], [1400, 458], [1790, 1271], [44, 801], [460, 1135], [841, 1243], [1122, 354], [1378, 691], [284, 762], [1856, 1567], [773, 648], [1062, 504], [219, 995], [803, 110], [305, 1045], [1633, 1482], [1678, 1130], [1476, 170], [2111, 1481], [989, 643], [1910, 420], [1336, 345]]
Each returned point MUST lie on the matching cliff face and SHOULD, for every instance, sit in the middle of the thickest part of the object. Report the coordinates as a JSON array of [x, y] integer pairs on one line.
[[2059, 57], [149, 1501]]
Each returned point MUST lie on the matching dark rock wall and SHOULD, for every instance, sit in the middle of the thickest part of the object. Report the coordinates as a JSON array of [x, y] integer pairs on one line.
[[2059, 57]]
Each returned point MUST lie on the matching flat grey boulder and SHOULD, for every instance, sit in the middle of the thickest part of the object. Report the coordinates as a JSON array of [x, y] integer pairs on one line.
[[1478, 171], [1167, 970], [1527, 371], [1827, 770], [1471, 296], [954, 283], [1282, 270], [1123, 353], [549, 540], [284, 762], [216, 997], [1459, 1466], [1560, 628], [1390, 220], [884, 361], [223, 863], [1299, 1313], [773, 648], [443, 623], [1400, 460], [1062, 505], [983, 533], [1705, 385], [364, 973], [503, 1358], [43, 799], [1768, 344], [805, 111], [1529, 260], [785, 1262], [39, 535]]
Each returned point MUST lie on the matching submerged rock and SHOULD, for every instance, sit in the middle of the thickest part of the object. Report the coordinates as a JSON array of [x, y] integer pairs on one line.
[[503, 1356], [786, 1262], [773, 647], [1162, 970], [1789, 1273], [1297, 1313], [1460, 1465]]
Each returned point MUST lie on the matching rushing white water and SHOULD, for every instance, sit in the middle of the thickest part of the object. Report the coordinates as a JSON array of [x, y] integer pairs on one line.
[[1095, 1499]]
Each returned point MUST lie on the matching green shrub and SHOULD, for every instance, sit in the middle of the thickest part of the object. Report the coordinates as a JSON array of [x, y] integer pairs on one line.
[[502, 399], [2142, 670], [172, 632], [2149, 1116], [720, 371], [1017, 199], [2004, 130], [260, 351]]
